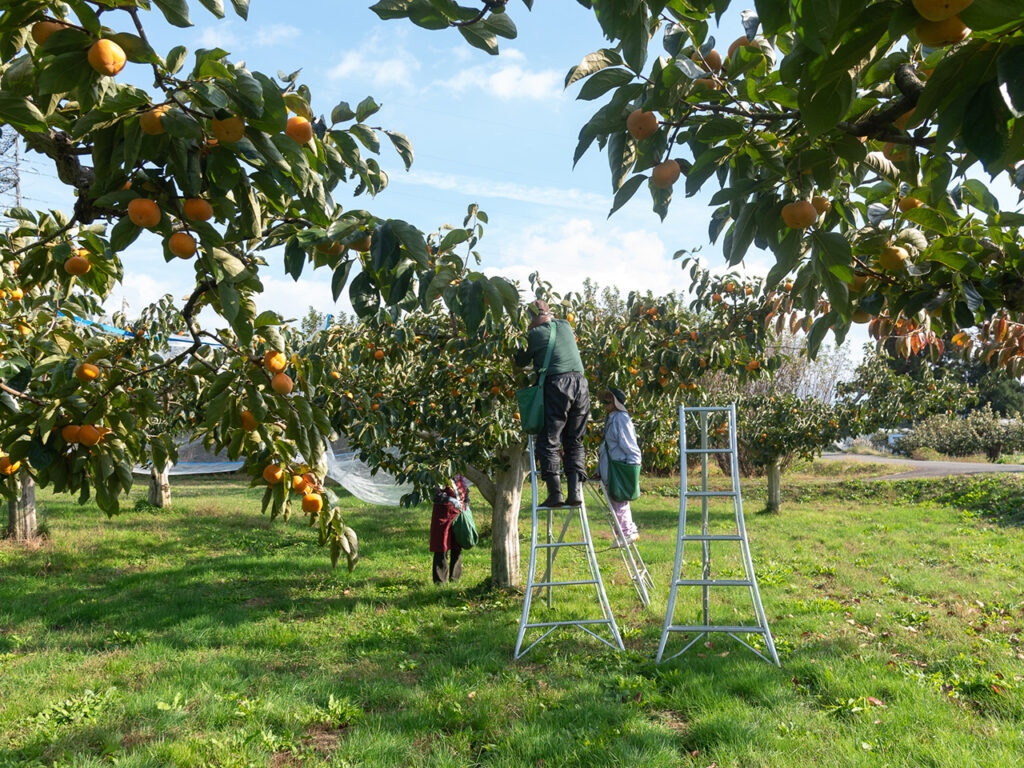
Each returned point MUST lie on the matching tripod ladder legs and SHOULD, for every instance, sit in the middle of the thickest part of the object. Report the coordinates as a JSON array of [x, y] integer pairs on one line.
[[707, 627], [535, 586]]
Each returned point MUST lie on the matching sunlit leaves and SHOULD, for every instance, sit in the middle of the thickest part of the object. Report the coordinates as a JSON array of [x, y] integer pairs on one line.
[[21, 113], [213, 136], [845, 105], [592, 62]]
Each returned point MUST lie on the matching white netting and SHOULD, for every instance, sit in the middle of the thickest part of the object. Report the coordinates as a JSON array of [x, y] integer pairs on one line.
[[344, 468], [194, 459], [196, 468], [354, 476]]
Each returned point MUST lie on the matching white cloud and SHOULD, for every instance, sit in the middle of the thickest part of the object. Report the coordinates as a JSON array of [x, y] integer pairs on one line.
[[458, 53], [138, 290], [507, 77], [477, 188], [293, 298], [506, 81], [219, 36], [566, 254], [275, 33], [377, 64], [224, 35], [516, 83]]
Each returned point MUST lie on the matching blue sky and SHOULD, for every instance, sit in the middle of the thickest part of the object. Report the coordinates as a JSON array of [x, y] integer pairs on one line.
[[498, 131]]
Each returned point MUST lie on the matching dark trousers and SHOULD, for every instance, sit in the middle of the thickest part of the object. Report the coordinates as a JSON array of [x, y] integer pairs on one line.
[[566, 411], [445, 570]]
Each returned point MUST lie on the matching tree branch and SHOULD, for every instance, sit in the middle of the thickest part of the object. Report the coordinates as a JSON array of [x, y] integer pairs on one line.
[[59, 148], [482, 481], [878, 125], [48, 238], [759, 116], [20, 394], [489, 5], [157, 75]]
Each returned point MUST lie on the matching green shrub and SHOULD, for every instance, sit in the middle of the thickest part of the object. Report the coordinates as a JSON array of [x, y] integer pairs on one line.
[[925, 454], [980, 431]]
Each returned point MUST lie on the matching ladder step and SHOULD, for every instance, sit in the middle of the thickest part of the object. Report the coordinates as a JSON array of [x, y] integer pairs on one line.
[[708, 450], [713, 628], [707, 494], [714, 583], [556, 545], [567, 623], [561, 506], [707, 409], [561, 583], [712, 537]]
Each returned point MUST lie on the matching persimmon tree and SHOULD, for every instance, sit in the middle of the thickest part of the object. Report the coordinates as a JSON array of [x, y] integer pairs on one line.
[[846, 138], [231, 169], [735, 340], [886, 398], [662, 351], [428, 394], [425, 396]]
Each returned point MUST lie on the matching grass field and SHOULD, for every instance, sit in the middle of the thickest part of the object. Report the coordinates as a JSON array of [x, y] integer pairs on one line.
[[207, 636]]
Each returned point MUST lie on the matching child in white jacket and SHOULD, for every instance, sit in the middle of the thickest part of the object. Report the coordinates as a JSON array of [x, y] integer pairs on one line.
[[619, 444]]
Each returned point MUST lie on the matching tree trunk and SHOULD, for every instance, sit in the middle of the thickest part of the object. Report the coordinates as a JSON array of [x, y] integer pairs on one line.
[[504, 493], [21, 510], [774, 486], [160, 487]]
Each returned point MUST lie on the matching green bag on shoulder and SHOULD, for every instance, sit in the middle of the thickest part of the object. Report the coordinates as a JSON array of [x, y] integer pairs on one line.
[[531, 399], [623, 480]]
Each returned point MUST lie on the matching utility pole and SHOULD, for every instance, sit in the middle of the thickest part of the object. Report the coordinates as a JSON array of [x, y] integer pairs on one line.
[[17, 171], [10, 162]]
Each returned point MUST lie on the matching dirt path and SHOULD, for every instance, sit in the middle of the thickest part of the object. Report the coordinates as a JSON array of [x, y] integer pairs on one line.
[[924, 468]]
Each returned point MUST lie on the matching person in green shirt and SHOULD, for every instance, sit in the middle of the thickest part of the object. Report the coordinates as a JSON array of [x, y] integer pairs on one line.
[[566, 404]]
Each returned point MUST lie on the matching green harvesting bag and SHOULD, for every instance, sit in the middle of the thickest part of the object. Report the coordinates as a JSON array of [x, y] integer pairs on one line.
[[531, 408], [464, 528], [623, 480], [531, 399]]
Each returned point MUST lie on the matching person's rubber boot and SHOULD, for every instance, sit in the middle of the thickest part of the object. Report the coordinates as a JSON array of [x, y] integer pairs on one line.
[[575, 498], [554, 498]]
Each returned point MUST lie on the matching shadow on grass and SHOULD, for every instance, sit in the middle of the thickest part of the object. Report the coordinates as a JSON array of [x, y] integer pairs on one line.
[[159, 572]]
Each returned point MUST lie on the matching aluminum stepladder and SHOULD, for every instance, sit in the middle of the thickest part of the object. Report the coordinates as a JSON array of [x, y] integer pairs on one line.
[[631, 559], [550, 547], [706, 582]]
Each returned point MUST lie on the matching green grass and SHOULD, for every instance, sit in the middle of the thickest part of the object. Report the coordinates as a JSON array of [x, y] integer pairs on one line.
[[207, 636]]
